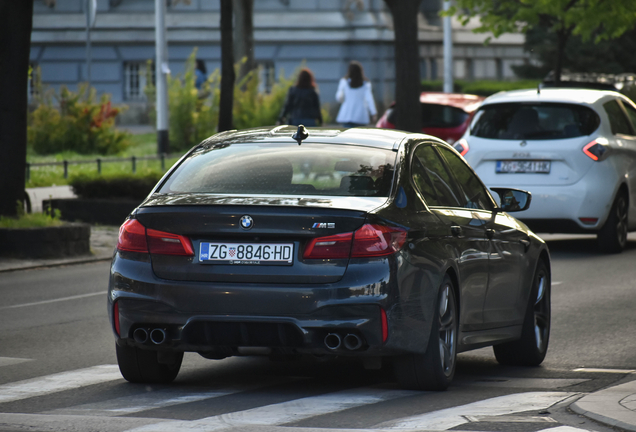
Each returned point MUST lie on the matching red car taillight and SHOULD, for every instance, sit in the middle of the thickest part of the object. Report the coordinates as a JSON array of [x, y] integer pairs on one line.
[[371, 240], [461, 146], [596, 149], [134, 237], [329, 247], [377, 240]]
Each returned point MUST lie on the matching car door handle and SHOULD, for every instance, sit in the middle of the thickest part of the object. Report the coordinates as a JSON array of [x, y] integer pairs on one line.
[[490, 233], [456, 231]]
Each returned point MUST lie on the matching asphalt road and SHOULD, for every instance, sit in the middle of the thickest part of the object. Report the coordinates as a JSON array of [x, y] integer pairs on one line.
[[57, 366]]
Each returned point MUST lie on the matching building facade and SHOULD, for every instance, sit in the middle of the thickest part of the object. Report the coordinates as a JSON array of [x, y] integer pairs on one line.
[[323, 35]]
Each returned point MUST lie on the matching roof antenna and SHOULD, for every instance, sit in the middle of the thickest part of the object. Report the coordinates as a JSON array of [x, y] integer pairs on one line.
[[539, 88], [301, 134]]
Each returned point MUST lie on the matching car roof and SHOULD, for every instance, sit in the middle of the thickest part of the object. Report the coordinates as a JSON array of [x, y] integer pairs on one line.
[[467, 102], [563, 95], [369, 137]]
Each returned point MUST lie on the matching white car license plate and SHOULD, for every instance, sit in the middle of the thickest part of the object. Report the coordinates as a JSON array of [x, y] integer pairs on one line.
[[523, 166], [247, 253]]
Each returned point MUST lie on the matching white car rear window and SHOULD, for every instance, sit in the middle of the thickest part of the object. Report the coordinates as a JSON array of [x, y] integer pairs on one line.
[[534, 121]]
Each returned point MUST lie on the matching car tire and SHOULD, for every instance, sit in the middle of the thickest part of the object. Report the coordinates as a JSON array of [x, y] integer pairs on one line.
[[143, 366], [435, 369], [531, 348], [612, 238]]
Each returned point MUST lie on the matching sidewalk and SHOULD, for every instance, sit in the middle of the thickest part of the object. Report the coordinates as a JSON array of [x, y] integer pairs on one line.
[[103, 242], [614, 406]]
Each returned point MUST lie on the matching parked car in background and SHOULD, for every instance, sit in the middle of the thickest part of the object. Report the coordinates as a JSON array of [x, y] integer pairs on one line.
[[374, 244], [444, 115], [573, 149]]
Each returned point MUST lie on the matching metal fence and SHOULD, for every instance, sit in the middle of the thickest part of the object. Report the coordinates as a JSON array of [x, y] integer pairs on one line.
[[99, 161]]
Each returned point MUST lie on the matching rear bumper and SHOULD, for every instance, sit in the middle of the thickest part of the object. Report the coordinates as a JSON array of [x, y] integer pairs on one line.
[[223, 319], [558, 209]]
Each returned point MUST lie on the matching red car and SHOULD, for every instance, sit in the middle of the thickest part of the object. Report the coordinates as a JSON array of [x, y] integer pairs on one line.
[[444, 115]]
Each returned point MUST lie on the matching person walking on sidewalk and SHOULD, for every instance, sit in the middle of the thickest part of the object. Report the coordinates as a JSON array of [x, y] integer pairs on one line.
[[354, 93], [302, 106]]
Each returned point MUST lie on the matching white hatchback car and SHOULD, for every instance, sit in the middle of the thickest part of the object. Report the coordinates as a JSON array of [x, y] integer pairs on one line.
[[573, 149]]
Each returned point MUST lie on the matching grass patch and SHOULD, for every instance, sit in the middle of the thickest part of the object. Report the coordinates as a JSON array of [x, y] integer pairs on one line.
[[31, 220]]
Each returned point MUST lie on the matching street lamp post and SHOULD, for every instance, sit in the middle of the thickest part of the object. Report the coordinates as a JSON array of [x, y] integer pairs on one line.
[[161, 73], [448, 50]]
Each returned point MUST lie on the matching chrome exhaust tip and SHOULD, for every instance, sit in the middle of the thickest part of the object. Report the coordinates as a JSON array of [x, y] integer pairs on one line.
[[158, 336], [140, 335], [352, 342], [333, 341]]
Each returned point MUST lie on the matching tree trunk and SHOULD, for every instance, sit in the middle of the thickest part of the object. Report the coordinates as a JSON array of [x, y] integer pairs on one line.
[[244, 36], [227, 68], [563, 35], [16, 21], [407, 64]]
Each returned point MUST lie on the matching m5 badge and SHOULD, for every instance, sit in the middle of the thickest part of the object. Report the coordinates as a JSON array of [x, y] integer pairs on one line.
[[324, 225]]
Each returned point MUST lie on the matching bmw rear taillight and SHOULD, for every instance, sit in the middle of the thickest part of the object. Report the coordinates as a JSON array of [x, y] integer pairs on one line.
[[377, 240], [596, 149], [461, 146], [330, 247], [134, 237], [164, 243], [371, 240]]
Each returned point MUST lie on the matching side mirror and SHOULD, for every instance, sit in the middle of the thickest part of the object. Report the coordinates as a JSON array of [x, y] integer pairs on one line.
[[513, 200]]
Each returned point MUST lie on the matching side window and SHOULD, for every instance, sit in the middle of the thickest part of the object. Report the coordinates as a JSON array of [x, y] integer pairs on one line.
[[434, 180], [474, 194], [618, 121], [631, 113]]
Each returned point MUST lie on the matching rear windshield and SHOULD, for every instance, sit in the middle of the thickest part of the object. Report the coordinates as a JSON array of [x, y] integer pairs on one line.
[[285, 169], [438, 116], [541, 121]]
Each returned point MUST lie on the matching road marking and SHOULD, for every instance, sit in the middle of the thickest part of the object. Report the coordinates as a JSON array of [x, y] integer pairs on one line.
[[54, 300], [542, 383], [504, 405], [160, 399], [7, 361], [285, 412], [58, 382], [593, 370], [556, 283], [510, 419]]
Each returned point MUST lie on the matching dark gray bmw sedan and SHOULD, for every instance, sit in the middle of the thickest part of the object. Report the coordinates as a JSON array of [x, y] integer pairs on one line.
[[376, 244]]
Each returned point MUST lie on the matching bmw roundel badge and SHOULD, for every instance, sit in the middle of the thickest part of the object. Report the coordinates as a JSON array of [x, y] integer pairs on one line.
[[246, 222]]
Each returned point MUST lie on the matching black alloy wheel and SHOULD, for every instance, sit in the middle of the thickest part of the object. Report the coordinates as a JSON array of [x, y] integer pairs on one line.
[[143, 366], [612, 238], [531, 348], [435, 369]]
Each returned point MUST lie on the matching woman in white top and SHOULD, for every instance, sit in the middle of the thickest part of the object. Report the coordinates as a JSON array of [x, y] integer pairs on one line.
[[354, 93]]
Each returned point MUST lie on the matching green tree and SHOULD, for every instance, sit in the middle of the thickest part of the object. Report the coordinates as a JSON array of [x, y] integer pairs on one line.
[[592, 20]]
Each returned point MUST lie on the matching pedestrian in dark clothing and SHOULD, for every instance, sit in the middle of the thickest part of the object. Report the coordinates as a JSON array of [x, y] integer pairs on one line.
[[302, 106], [200, 73]]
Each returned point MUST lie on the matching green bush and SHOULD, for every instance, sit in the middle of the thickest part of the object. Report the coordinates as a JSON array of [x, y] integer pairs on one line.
[[75, 122], [121, 186], [482, 88], [194, 113]]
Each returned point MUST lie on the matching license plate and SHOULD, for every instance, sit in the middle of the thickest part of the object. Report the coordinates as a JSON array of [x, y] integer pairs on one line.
[[247, 253], [523, 166]]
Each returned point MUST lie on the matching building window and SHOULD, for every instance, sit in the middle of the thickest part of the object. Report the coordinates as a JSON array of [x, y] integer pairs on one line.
[[135, 79], [266, 75]]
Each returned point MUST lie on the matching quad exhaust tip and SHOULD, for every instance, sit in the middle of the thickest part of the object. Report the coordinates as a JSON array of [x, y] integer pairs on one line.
[[351, 341], [158, 336], [333, 341], [140, 335]]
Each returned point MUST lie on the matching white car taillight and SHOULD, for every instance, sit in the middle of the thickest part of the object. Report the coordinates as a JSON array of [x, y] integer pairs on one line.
[[597, 149], [461, 146]]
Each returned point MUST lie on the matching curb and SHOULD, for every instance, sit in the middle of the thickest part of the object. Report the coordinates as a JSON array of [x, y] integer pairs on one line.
[[55, 263], [605, 406]]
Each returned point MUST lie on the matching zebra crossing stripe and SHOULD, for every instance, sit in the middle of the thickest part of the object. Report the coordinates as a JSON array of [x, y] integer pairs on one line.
[[452, 417], [58, 382], [285, 412], [160, 399]]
